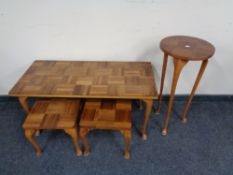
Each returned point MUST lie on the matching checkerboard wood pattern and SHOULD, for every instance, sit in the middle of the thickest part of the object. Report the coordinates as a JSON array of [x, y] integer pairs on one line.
[[107, 114], [53, 114], [87, 79]]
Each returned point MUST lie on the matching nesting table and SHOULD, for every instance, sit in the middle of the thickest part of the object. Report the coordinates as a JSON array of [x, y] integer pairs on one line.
[[88, 79]]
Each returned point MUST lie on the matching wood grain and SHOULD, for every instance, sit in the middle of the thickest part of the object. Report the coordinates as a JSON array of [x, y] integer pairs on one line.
[[87, 79], [187, 48], [106, 114], [52, 114], [182, 49]]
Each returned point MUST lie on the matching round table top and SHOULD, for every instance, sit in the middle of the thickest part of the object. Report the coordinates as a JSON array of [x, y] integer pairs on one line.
[[187, 48]]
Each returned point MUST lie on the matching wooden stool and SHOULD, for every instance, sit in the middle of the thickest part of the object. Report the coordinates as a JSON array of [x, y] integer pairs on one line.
[[113, 115], [53, 114], [182, 49]]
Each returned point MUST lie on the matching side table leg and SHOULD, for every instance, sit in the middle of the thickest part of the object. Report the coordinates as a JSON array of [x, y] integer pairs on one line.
[[162, 82], [73, 133], [127, 137], [199, 76], [148, 109], [24, 103], [83, 135], [29, 135], [178, 65]]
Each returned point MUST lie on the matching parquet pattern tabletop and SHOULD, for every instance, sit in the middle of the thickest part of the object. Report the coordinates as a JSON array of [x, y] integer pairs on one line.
[[87, 79], [53, 114], [106, 114]]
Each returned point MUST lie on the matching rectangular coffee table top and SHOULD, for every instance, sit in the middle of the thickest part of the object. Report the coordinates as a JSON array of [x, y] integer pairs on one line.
[[87, 79]]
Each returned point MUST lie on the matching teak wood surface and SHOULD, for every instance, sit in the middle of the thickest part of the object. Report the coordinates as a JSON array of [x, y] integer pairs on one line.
[[53, 114], [88, 79], [182, 49], [187, 48], [107, 114]]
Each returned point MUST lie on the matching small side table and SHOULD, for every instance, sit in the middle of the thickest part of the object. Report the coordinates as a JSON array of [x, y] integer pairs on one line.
[[182, 49], [107, 115]]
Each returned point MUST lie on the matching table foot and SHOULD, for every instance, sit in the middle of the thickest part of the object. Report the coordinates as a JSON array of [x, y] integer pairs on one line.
[[37, 133], [144, 137], [164, 132], [39, 153], [184, 120], [127, 156], [86, 154], [157, 112], [78, 152]]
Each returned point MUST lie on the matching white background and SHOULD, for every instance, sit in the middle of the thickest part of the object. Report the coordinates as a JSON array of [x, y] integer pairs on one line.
[[116, 30]]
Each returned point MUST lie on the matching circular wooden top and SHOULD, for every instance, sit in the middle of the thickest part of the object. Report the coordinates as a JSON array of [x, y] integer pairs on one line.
[[187, 48]]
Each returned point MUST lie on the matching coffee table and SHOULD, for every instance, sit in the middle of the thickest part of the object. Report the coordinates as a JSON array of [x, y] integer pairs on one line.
[[88, 79]]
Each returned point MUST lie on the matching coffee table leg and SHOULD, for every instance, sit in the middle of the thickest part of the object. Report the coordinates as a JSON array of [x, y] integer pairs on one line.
[[24, 103], [162, 82], [178, 65], [200, 73], [149, 104]]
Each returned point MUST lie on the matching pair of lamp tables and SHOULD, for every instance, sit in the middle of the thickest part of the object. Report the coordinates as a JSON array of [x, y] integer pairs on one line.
[[107, 89]]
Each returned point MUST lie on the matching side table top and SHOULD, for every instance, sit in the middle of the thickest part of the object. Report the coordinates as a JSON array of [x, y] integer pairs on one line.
[[187, 48]]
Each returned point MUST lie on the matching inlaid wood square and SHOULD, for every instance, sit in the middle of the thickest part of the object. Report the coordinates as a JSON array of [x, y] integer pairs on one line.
[[53, 114], [87, 79], [106, 114]]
